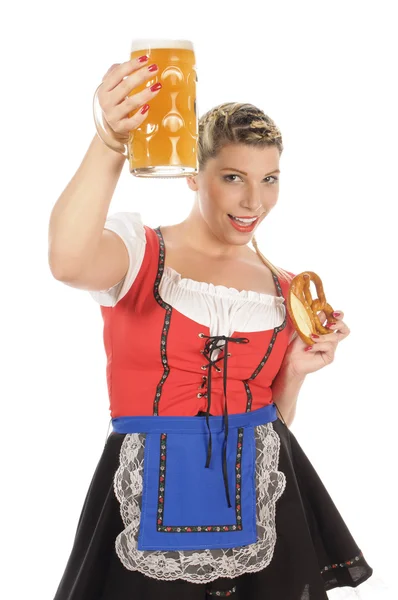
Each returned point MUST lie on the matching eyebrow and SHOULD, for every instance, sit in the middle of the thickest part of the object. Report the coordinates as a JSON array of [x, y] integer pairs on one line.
[[243, 172]]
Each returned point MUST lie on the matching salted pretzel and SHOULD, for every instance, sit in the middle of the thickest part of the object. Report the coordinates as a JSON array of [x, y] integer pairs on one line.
[[303, 310]]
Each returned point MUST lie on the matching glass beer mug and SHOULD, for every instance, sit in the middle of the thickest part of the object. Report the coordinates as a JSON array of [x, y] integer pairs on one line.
[[165, 144]]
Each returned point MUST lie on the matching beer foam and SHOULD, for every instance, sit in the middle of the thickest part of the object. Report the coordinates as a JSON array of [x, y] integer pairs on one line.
[[150, 44]]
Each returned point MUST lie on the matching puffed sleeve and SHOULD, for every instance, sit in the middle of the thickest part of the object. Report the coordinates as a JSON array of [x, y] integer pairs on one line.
[[130, 228]]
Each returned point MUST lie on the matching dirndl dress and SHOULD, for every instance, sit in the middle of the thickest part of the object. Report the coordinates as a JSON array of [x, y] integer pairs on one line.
[[197, 500]]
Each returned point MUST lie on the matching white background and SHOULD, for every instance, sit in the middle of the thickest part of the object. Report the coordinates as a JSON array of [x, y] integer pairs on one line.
[[326, 73]]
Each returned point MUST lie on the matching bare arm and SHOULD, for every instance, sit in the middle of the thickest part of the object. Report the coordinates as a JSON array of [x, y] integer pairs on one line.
[[81, 252], [285, 391]]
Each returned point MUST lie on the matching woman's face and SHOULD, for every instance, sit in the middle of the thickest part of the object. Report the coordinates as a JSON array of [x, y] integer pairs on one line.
[[242, 181]]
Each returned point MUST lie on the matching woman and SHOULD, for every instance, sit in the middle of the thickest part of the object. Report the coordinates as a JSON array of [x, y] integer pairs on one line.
[[202, 490]]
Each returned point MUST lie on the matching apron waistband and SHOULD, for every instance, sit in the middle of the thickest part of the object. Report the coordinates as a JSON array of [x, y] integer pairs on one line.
[[195, 424]]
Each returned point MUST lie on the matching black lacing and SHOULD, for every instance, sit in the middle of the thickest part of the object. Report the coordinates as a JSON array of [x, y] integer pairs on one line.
[[210, 346]]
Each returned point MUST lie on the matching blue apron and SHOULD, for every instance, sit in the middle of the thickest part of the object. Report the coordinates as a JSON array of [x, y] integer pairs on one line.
[[186, 500]]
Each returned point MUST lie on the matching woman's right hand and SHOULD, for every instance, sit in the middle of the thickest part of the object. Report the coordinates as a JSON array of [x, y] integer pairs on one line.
[[116, 102]]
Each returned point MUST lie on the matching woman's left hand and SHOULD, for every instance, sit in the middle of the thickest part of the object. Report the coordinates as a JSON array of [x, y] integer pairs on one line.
[[301, 359]]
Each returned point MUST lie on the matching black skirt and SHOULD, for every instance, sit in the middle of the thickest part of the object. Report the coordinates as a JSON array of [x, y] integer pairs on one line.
[[314, 550]]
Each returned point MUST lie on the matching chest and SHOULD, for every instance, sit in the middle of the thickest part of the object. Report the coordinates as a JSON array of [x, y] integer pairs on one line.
[[241, 274]]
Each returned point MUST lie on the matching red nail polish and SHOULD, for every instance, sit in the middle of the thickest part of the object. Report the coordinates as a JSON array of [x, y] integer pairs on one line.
[[329, 325], [313, 335], [144, 109], [155, 87], [308, 348], [153, 68], [143, 59], [336, 314]]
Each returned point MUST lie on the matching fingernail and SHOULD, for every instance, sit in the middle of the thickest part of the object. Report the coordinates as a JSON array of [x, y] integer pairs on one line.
[[144, 109], [336, 314], [329, 325], [155, 87], [143, 58], [308, 348], [153, 68], [313, 335]]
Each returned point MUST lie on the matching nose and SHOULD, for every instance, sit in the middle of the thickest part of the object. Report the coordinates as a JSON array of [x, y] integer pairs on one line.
[[254, 200], [253, 204]]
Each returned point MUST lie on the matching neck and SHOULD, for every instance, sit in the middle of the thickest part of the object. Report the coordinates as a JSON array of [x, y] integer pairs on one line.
[[196, 234]]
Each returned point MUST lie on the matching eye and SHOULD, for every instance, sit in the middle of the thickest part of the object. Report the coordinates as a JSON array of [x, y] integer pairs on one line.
[[268, 177], [226, 177]]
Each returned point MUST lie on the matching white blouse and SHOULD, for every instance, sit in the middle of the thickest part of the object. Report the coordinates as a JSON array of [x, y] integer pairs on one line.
[[222, 309]]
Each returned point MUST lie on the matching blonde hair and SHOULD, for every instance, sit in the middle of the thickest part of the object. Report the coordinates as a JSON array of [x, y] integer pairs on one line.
[[234, 122]]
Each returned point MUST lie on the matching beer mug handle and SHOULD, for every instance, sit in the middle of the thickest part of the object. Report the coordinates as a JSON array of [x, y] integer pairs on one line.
[[99, 124]]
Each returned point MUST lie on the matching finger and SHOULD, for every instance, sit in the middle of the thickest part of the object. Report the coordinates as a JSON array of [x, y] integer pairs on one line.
[[322, 317], [118, 72], [131, 103], [338, 314], [106, 79], [130, 83], [338, 326], [329, 348], [124, 126], [326, 337], [334, 337], [110, 69]]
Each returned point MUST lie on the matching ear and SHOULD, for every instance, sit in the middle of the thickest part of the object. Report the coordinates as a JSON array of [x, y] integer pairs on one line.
[[192, 183]]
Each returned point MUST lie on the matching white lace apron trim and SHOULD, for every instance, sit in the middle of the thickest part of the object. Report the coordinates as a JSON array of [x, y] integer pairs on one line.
[[199, 566]]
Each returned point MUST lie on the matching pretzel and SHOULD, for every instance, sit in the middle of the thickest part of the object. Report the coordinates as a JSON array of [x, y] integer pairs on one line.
[[303, 310]]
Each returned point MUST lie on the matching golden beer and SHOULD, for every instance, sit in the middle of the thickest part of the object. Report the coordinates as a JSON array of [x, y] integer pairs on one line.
[[165, 145]]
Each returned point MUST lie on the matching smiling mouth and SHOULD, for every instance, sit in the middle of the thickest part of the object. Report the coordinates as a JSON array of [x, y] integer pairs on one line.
[[244, 220]]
